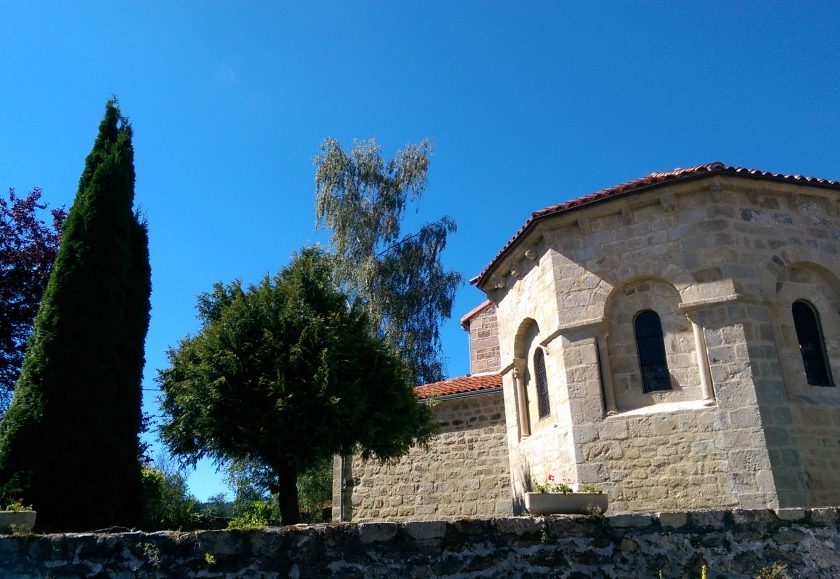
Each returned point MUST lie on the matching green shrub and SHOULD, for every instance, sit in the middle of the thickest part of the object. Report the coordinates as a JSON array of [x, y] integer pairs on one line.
[[257, 515], [168, 505]]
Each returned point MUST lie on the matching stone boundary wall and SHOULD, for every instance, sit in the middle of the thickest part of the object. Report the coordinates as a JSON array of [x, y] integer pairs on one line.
[[465, 472], [729, 543]]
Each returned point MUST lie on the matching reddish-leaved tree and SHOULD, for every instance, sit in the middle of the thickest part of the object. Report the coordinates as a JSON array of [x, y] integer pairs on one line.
[[28, 246]]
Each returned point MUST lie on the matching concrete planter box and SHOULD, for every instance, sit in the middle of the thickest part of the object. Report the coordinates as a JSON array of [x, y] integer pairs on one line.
[[16, 521], [570, 504]]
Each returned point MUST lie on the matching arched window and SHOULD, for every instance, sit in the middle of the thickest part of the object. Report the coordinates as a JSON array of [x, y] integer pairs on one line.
[[543, 405], [811, 344], [651, 348]]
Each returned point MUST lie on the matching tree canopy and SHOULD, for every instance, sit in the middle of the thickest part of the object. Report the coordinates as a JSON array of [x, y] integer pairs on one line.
[[398, 279], [285, 373], [27, 250], [69, 441]]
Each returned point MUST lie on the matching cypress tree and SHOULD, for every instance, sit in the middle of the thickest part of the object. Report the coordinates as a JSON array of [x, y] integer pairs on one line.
[[69, 441]]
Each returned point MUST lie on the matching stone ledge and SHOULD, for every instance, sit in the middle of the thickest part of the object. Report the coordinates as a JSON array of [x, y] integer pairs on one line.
[[675, 543]]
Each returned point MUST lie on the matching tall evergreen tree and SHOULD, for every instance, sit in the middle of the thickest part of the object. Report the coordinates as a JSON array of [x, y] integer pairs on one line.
[[69, 441]]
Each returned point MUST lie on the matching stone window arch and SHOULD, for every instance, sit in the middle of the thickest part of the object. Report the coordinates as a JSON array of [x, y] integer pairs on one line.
[[621, 348], [541, 378], [809, 335], [650, 346]]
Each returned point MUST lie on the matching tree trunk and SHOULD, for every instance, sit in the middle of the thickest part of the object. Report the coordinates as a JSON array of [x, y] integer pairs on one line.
[[287, 495]]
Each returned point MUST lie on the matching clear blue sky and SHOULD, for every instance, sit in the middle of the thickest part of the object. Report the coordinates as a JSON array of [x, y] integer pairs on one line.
[[528, 104]]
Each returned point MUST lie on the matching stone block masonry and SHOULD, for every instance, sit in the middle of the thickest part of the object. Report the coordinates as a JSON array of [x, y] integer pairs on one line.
[[484, 341], [735, 420], [464, 472], [736, 544]]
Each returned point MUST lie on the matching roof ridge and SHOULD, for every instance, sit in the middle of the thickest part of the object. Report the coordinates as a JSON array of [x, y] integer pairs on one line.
[[654, 179], [460, 384]]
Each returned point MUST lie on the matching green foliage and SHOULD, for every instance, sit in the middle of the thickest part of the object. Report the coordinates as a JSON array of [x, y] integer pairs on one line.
[[257, 514], [315, 490], [151, 554], [16, 506], [551, 486], [68, 443], [285, 374], [252, 481], [587, 488], [167, 503], [216, 507], [398, 279]]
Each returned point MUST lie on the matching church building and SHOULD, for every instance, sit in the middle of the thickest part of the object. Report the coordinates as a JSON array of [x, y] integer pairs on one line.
[[674, 340]]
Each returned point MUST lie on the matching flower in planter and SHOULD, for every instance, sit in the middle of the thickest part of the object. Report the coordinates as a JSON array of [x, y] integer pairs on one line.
[[18, 506], [551, 486]]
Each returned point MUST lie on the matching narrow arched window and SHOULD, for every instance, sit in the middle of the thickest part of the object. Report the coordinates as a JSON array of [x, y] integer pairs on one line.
[[809, 334], [543, 405], [651, 348]]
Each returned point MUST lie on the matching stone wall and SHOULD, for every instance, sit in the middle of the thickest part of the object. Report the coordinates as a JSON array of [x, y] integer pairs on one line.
[[736, 544], [463, 473], [484, 341]]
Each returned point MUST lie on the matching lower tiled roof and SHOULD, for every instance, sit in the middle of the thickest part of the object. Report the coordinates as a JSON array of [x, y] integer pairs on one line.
[[459, 385]]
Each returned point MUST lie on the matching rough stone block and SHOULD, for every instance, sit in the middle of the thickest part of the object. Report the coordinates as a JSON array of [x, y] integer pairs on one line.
[[630, 520], [673, 520], [824, 516], [425, 532], [614, 429], [518, 526], [791, 514], [377, 532], [708, 519]]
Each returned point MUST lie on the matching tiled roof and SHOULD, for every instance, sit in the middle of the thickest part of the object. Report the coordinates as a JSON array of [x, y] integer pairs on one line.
[[459, 385], [465, 320], [650, 182]]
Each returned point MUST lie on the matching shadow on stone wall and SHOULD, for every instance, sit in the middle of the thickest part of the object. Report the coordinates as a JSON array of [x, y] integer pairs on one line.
[[729, 543]]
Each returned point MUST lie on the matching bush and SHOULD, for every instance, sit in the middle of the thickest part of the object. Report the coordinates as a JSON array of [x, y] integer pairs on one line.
[[167, 504], [257, 514]]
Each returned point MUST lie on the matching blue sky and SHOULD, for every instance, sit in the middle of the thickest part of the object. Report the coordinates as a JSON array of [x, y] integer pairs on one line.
[[527, 103]]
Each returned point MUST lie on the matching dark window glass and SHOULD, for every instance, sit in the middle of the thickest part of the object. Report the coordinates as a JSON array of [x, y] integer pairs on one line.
[[542, 383], [651, 348], [811, 344]]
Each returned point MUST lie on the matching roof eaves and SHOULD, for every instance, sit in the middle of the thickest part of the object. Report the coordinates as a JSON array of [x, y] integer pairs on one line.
[[466, 394], [642, 184]]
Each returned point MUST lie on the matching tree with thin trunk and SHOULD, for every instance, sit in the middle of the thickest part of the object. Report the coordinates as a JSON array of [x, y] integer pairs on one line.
[[69, 441], [285, 373], [398, 279]]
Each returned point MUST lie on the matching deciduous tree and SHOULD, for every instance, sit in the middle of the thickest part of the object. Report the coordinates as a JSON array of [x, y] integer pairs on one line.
[[284, 374], [27, 250], [398, 279], [68, 443]]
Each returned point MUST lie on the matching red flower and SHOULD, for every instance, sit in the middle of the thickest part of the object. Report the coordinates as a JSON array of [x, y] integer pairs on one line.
[[550, 477]]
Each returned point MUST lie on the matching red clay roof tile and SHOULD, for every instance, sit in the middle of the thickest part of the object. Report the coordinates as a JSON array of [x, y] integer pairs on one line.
[[645, 183], [459, 385]]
